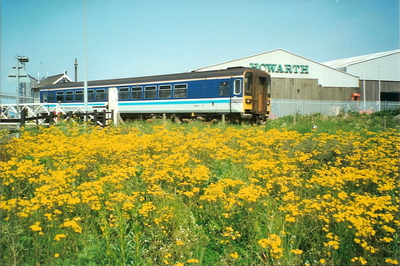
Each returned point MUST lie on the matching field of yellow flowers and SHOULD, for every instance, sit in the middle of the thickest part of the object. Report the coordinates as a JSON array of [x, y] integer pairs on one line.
[[174, 195]]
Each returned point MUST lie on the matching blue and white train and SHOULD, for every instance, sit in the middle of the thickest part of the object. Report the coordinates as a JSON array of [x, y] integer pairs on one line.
[[237, 93]]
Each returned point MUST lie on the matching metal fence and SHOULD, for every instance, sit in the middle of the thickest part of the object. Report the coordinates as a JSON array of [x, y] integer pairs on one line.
[[284, 107]]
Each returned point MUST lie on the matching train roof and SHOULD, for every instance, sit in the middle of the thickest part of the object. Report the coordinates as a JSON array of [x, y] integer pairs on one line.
[[158, 78]]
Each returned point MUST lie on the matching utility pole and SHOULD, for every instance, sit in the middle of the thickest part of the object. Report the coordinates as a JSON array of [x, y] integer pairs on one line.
[[18, 75], [76, 70], [85, 90]]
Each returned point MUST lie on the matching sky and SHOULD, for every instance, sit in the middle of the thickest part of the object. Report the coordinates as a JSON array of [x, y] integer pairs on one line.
[[130, 38]]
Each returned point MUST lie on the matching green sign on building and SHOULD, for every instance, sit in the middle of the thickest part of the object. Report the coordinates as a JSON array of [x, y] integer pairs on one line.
[[278, 68]]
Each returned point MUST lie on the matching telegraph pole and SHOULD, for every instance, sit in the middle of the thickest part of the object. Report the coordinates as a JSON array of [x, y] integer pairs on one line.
[[85, 90], [17, 89], [76, 70], [18, 75]]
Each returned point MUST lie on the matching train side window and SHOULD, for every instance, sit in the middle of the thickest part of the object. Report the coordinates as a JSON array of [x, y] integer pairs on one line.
[[150, 92], [60, 96], [123, 93], [237, 86], [164, 91], [224, 88], [79, 96], [50, 98], [100, 94], [69, 96], [136, 93], [90, 95], [45, 97], [180, 90]]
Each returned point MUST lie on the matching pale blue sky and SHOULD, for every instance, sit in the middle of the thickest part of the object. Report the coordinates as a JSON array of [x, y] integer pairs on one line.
[[133, 38]]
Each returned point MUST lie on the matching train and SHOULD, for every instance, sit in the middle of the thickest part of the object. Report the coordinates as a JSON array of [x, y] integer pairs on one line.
[[235, 94]]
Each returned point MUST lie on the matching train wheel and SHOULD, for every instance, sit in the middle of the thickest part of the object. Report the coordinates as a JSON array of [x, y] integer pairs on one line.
[[254, 120]]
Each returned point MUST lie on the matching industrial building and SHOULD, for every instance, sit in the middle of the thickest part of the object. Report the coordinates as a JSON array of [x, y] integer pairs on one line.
[[380, 72], [301, 85], [296, 77]]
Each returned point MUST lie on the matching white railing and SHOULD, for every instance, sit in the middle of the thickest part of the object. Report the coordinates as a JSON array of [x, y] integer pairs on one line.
[[10, 110], [284, 107], [39, 113]]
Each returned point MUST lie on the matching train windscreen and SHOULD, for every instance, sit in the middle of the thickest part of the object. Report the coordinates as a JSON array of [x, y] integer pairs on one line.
[[248, 83]]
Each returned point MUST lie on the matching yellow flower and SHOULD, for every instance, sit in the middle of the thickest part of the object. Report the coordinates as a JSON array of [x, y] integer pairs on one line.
[[56, 255], [179, 243], [290, 219], [392, 261], [73, 224], [297, 251], [234, 255], [59, 236], [273, 244], [386, 239], [36, 227]]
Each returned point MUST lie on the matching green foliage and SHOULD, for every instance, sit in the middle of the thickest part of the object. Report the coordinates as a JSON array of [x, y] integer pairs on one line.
[[375, 122], [388, 112]]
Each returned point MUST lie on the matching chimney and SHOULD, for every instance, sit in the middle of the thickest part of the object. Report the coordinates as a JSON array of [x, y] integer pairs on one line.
[[76, 70]]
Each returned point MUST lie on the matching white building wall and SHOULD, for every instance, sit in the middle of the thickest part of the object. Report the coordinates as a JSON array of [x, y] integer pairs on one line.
[[388, 66], [282, 64]]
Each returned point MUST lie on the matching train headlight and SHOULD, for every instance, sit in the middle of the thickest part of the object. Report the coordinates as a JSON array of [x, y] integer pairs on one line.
[[248, 101]]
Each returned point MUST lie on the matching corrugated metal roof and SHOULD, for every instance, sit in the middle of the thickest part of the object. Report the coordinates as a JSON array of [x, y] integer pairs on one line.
[[341, 63]]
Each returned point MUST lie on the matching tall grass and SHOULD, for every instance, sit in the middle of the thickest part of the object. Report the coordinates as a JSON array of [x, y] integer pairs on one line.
[[376, 122], [169, 194]]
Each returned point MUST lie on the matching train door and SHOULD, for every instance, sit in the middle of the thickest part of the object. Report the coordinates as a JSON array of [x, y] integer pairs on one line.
[[260, 95], [224, 92], [257, 88]]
